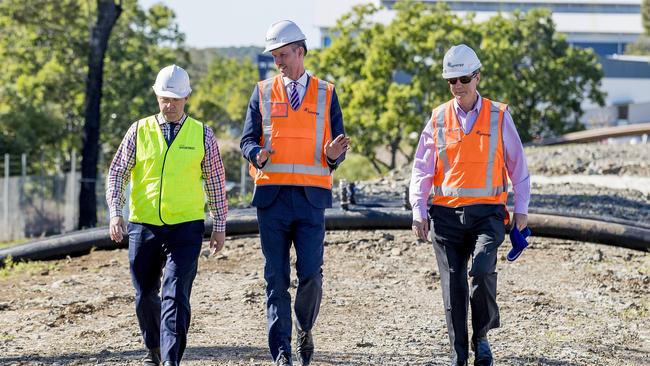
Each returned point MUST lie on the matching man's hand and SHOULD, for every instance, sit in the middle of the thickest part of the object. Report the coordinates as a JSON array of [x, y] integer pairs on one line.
[[262, 156], [117, 228], [334, 149], [521, 221], [217, 240], [421, 229]]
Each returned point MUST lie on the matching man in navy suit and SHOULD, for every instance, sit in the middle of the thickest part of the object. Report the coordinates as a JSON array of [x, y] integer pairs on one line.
[[294, 138]]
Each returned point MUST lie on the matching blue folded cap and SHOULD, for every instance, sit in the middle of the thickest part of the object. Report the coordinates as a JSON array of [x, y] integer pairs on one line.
[[519, 243]]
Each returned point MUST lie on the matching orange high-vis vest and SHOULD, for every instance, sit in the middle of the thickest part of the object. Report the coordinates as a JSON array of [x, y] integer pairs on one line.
[[470, 168], [296, 137]]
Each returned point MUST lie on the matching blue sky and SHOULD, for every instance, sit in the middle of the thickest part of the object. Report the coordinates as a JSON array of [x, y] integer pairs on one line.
[[239, 22]]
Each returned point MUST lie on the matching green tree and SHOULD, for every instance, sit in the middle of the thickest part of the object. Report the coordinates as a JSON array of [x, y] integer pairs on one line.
[[221, 100], [388, 76], [642, 45], [645, 16], [44, 49], [108, 11], [222, 94], [533, 69], [44, 53]]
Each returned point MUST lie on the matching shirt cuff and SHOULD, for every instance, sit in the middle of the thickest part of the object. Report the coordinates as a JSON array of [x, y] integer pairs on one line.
[[520, 209], [218, 226], [420, 214], [115, 211]]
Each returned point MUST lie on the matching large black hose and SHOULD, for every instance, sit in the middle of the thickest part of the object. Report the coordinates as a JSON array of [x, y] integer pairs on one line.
[[621, 233]]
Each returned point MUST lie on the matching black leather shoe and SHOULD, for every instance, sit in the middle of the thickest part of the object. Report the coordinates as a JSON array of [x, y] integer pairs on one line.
[[456, 362], [170, 363], [482, 352], [283, 360], [305, 347], [152, 358]]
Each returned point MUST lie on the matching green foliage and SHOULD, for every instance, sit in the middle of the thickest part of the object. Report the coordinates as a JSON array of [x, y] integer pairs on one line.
[[529, 66], [355, 168], [526, 64], [7, 244], [645, 16], [10, 267], [203, 57], [642, 44], [44, 52], [222, 95], [239, 201], [640, 47]]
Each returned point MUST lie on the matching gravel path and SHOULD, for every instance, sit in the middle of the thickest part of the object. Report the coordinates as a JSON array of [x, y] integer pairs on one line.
[[570, 195], [562, 302], [590, 159]]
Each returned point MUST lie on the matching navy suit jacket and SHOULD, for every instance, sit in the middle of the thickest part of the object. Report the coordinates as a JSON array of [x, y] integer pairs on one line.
[[263, 196]]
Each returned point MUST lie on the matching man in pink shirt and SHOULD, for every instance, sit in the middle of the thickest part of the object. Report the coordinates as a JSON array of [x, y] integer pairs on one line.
[[465, 152]]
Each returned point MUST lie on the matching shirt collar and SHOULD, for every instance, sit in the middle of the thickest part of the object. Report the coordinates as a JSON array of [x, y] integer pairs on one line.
[[477, 106], [301, 80], [161, 119]]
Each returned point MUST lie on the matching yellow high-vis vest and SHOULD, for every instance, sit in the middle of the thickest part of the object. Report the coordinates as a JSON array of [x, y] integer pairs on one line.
[[166, 181]]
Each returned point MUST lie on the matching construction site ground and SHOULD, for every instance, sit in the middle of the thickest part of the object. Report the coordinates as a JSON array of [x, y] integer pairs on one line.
[[561, 302]]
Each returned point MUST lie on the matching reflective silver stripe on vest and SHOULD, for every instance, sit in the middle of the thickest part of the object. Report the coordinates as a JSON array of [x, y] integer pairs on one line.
[[466, 192], [441, 145], [266, 113], [495, 112], [296, 168], [488, 190], [493, 142], [320, 121], [316, 169]]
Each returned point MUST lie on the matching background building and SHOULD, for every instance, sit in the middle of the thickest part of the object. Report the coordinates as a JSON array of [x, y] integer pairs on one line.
[[606, 26]]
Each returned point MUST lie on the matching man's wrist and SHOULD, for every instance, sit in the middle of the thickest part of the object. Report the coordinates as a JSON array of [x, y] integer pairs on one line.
[[115, 212], [218, 226]]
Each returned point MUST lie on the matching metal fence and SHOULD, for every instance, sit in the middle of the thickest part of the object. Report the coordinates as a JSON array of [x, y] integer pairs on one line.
[[41, 197]]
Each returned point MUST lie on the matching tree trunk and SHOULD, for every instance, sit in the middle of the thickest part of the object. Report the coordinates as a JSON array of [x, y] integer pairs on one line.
[[107, 13]]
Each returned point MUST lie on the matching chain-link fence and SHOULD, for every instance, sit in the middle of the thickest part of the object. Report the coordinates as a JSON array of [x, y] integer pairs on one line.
[[40, 196]]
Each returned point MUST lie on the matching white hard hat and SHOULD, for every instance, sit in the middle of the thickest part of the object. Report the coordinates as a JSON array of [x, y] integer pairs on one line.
[[459, 61], [173, 82], [281, 34]]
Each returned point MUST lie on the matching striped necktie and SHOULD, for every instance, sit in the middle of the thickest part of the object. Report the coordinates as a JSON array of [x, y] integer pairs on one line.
[[170, 133], [294, 99]]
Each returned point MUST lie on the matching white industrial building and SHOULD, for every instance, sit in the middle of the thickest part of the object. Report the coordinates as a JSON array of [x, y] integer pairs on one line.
[[606, 26]]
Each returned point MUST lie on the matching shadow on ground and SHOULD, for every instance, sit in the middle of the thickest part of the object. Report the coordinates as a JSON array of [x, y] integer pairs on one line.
[[236, 354]]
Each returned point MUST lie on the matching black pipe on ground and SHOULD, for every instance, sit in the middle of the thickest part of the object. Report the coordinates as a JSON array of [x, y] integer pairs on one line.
[[620, 234]]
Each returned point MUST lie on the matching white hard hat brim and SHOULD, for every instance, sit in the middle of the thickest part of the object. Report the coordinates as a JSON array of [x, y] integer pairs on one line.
[[275, 46], [457, 74], [170, 94]]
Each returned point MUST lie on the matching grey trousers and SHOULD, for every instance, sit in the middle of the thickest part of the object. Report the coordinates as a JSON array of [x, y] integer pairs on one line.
[[459, 234]]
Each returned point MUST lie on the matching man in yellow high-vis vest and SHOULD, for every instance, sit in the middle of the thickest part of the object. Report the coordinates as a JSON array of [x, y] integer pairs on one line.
[[173, 162], [293, 137]]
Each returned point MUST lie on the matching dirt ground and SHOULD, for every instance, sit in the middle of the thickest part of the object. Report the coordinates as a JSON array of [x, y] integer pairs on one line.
[[562, 303]]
